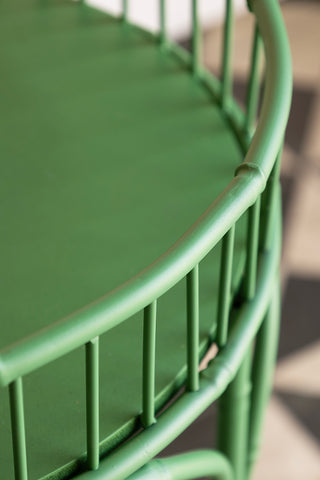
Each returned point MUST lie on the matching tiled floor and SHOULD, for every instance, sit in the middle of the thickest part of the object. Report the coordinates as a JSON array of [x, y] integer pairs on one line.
[[291, 440], [291, 445]]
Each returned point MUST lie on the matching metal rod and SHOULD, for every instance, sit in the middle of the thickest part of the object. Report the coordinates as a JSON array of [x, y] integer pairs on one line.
[[269, 205], [225, 286], [18, 429], [193, 329], [187, 466], [254, 83], [196, 38], [92, 396], [234, 406], [174, 420], [263, 366], [110, 310], [234, 418], [252, 250], [226, 91], [163, 30], [149, 349], [125, 10]]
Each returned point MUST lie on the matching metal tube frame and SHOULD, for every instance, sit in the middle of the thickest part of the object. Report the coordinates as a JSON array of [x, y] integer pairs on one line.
[[231, 370]]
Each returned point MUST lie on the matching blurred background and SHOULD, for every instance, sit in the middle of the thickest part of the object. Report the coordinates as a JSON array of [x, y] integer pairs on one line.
[[291, 441]]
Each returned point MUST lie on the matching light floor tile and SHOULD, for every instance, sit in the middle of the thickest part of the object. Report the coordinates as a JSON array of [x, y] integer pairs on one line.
[[301, 253], [300, 372], [288, 452]]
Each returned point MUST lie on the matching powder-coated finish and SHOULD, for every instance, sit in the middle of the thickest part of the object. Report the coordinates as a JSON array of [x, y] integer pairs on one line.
[[95, 120]]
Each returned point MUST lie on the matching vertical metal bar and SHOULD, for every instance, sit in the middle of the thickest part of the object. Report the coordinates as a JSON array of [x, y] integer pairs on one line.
[[263, 366], [225, 287], [18, 429], [193, 329], [233, 417], [226, 90], [92, 397], [125, 10], [252, 250], [149, 348], [196, 38], [269, 205], [235, 403], [163, 32], [254, 83]]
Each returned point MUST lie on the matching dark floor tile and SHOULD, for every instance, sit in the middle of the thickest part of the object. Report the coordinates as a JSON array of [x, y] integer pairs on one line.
[[300, 325], [201, 434], [303, 101], [288, 184], [305, 408]]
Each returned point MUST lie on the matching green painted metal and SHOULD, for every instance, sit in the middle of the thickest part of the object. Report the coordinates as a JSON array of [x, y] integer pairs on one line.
[[234, 405], [92, 394], [125, 7], [249, 284], [269, 205], [148, 377], [187, 466], [196, 38], [254, 83], [225, 287], [233, 419], [193, 329], [18, 429], [226, 87], [263, 366], [109, 311], [163, 29], [229, 374], [213, 381]]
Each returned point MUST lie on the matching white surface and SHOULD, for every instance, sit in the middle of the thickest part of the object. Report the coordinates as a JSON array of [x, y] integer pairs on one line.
[[178, 13]]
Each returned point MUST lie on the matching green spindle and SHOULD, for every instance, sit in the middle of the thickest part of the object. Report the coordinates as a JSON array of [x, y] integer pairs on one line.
[[125, 10], [254, 83], [163, 33], [18, 429], [196, 38], [193, 329], [269, 205], [234, 407], [226, 90], [92, 400], [263, 366], [149, 348], [252, 250], [225, 286], [235, 403]]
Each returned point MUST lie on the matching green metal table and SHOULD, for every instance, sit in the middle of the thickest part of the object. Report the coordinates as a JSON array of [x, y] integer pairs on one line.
[[140, 205]]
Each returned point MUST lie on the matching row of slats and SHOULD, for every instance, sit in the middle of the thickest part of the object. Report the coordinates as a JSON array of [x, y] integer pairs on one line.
[[149, 332]]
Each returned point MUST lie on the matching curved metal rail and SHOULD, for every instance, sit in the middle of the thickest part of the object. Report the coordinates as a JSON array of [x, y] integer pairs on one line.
[[213, 381], [187, 466], [107, 312], [258, 171]]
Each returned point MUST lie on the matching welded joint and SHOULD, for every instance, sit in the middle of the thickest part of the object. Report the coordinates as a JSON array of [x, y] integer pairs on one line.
[[255, 170], [219, 373]]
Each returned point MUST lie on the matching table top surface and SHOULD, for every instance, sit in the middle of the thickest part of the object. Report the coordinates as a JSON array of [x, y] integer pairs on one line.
[[110, 150]]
